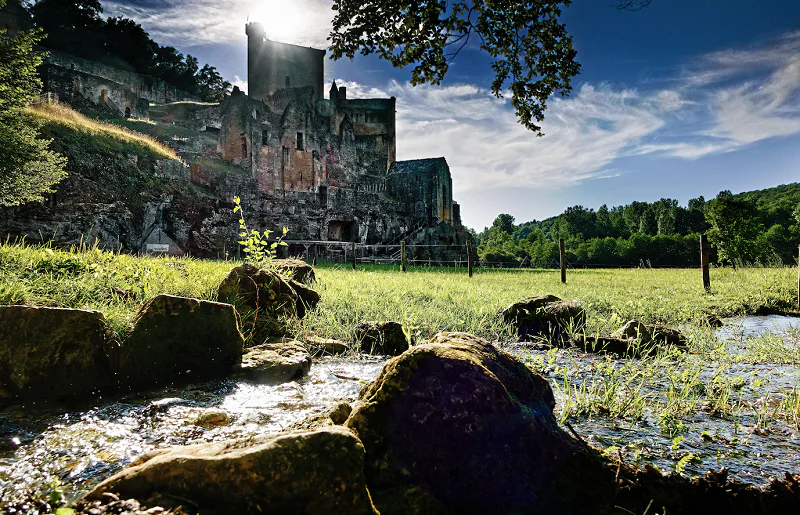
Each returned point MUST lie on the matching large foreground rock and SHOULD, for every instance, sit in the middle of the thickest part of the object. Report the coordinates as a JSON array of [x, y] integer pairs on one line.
[[471, 427], [316, 472], [381, 338], [52, 353], [275, 363], [180, 338], [545, 316]]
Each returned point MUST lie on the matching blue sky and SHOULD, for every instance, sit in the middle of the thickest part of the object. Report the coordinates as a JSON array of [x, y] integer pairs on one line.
[[681, 99]]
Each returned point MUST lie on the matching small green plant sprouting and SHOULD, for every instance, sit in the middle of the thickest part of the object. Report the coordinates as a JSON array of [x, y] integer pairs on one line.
[[260, 251]]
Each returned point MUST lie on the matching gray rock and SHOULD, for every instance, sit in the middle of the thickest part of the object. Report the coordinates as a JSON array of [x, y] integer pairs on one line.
[[381, 338], [545, 316], [275, 362], [52, 353], [472, 427], [180, 338], [297, 269], [316, 472], [327, 346]]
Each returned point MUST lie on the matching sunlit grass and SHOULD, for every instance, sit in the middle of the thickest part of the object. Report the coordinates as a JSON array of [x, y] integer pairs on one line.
[[62, 114]]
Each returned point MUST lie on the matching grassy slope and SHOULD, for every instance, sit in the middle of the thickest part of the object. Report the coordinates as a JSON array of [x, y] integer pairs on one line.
[[428, 299], [117, 138]]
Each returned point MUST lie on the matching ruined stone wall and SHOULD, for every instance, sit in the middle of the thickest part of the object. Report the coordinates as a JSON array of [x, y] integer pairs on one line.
[[424, 186], [74, 79], [272, 65]]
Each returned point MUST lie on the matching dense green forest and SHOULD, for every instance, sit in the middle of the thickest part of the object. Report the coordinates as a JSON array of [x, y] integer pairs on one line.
[[756, 227], [77, 27]]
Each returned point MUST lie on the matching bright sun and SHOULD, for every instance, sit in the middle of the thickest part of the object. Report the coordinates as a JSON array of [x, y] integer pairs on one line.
[[282, 19]]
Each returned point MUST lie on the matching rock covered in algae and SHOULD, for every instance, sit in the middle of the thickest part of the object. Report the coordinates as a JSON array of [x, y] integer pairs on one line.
[[52, 353], [316, 472], [180, 338]]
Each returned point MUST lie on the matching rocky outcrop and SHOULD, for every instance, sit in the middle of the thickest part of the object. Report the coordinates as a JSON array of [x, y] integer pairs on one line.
[[381, 338], [180, 339], [473, 428], [52, 353], [275, 363], [545, 316], [297, 269], [311, 472]]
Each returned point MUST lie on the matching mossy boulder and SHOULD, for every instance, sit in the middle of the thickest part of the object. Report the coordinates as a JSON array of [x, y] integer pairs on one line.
[[264, 298], [275, 363], [316, 472], [52, 353], [297, 269], [472, 427], [180, 339], [545, 316], [381, 338]]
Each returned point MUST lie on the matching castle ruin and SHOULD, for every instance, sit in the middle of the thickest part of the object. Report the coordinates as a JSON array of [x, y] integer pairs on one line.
[[316, 162]]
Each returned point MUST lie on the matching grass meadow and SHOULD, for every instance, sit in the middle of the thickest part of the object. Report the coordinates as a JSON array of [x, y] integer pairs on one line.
[[722, 400]]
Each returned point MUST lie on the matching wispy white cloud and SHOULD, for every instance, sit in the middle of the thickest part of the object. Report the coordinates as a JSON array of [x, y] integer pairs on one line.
[[487, 148], [193, 22]]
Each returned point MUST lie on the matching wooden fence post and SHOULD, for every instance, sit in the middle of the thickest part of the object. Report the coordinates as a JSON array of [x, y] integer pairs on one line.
[[562, 253], [354, 255], [704, 262], [469, 258], [402, 256]]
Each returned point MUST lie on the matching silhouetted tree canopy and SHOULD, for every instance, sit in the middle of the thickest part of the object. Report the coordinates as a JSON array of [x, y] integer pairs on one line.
[[531, 53], [76, 27]]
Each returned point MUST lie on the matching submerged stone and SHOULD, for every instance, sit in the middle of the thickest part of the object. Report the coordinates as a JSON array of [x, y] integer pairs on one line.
[[316, 472], [52, 353], [180, 338], [381, 338], [275, 362]]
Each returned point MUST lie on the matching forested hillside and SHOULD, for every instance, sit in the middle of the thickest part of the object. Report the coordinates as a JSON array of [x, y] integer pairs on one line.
[[760, 226], [78, 28]]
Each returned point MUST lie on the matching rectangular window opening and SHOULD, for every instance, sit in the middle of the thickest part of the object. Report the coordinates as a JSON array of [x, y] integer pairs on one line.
[[299, 141], [288, 82]]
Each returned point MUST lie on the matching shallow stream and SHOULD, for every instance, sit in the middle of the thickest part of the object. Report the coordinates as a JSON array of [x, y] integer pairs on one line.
[[47, 446]]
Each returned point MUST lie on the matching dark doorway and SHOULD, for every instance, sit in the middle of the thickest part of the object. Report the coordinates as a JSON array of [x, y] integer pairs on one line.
[[341, 230]]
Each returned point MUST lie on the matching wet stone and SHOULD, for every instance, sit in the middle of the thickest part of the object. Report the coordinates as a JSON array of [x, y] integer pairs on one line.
[[273, 363], [316, 472], [327, 346]]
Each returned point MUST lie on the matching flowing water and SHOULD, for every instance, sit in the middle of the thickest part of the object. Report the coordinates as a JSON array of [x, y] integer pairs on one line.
[[73, 447]]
